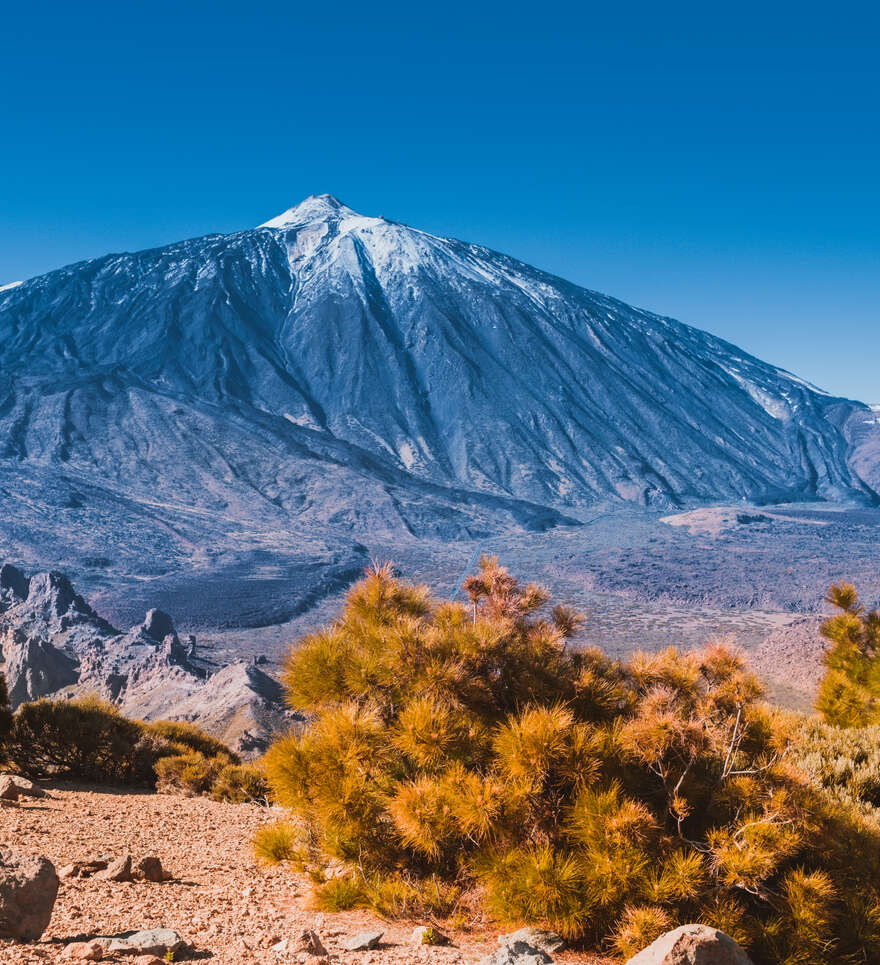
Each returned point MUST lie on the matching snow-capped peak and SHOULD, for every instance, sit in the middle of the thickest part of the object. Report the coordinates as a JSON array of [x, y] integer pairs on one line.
[[316, 207]]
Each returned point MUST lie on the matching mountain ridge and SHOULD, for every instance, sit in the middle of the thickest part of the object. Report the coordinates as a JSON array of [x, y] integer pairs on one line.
[[303, 387]]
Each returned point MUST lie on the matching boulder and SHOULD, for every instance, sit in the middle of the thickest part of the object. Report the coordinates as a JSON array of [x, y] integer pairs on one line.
[[517, 953], [13, 787], [546, 941], [158, 625], [9, 790], [28, 889], [150, 941], [363, 941], [692, 945], [149, 869]]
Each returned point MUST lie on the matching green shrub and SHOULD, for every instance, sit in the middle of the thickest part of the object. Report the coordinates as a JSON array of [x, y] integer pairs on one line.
[[842, 761], [241, 784], [276, 842], [474, 746], [339, 894], [187, 736], [189, 772], [90, 740], [849, 695], [84, 739]]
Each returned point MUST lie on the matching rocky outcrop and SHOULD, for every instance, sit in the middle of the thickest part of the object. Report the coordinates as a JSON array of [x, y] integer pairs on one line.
[[28, 889], [692, 945], [55, 644], [34, 668]]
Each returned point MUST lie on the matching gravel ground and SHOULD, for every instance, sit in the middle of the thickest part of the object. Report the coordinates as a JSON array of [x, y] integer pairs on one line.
[[228, 908]]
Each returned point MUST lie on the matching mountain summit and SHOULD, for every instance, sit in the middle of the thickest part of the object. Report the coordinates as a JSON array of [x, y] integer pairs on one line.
[[336, 376]]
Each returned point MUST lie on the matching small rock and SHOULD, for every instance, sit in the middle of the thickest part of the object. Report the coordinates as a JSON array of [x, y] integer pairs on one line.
[[13, 787], [150, 941], [118, 870], [426, 935], [83, 952], [517, 953], [546, 941], [28, 889], [9, 790], [149, 869], [83, 869], [692, 945], [363, 941], [309, 942], [149, 960]]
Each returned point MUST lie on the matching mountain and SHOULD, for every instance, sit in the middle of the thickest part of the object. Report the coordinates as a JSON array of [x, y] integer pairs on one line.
[[274, 401]]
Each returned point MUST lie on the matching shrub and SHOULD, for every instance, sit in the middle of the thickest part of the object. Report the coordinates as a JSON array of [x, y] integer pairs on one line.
[[189, 772], [241, 784], [179, 734], [275, 843], [90, 740], [849, 695], [842, 761], [84, 739], [474, 746]]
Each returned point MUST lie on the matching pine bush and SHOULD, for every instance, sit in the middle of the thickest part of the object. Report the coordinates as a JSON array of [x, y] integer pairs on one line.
[[90, 740], [84, 739], [477, 748], [849, 695]]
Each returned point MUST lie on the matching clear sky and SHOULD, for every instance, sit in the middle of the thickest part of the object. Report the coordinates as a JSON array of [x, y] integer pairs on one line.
[[715, 162]]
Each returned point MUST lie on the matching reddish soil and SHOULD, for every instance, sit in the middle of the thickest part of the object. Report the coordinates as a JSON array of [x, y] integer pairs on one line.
[[227, 907]]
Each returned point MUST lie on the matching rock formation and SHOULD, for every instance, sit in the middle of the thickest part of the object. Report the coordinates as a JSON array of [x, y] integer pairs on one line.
[[54, 644]]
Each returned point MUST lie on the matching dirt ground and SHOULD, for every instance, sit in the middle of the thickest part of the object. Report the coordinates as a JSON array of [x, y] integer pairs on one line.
[[227, 908]]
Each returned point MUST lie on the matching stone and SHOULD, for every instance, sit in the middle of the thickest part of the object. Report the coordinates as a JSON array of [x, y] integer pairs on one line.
[[83, 869], [517, 953], [158, 625], [363, 941], [21, 785], [28, 889], [692, 945], [9, 790], [149, 960], [427, 935], [150, 941], [118, 870], [149, 869], [308, 942], [546, 941], [83, 952]]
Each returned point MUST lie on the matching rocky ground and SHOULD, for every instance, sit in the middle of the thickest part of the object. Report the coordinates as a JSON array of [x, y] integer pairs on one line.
[[229, 909]]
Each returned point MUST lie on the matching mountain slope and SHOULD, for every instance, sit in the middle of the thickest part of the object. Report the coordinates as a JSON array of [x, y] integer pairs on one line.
[[328, 376]]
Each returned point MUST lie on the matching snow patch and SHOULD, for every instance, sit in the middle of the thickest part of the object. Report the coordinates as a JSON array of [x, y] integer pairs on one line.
[[408, 455], [11, 285]]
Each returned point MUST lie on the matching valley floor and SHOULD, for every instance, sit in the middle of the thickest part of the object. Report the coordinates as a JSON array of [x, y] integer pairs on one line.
[[229, 909]]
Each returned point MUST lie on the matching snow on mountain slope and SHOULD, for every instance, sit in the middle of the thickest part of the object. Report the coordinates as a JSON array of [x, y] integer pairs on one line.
[[328, 374]]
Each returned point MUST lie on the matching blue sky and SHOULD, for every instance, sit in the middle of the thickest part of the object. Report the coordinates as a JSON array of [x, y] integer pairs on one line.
[[717, 163]]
